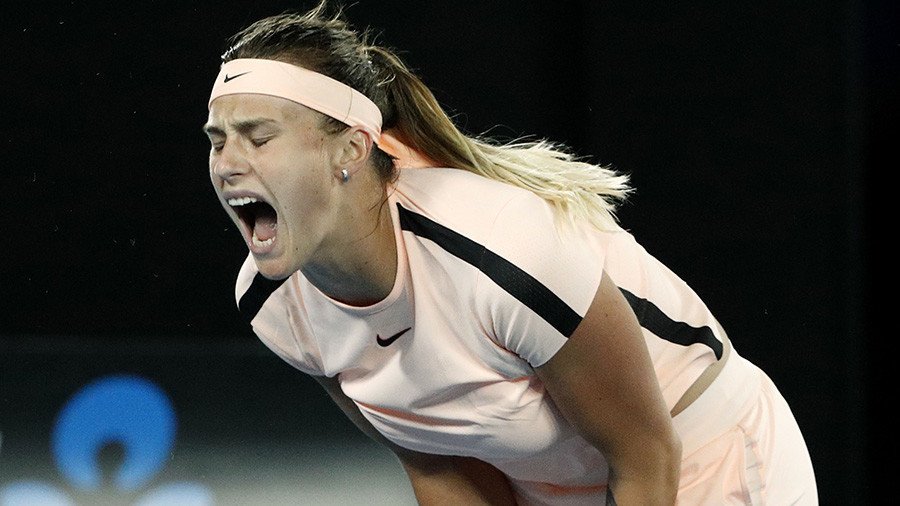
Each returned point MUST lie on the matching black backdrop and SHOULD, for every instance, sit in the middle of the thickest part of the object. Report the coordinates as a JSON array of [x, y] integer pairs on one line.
[[749, 130]]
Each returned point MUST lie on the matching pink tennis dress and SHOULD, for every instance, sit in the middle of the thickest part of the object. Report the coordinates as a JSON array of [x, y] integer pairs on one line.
[[490, 285]]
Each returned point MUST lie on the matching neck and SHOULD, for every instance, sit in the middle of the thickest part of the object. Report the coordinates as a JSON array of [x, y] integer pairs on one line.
[[361, 267]]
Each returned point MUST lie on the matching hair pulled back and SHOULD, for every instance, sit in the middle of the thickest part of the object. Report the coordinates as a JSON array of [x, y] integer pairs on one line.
[[329, 45]]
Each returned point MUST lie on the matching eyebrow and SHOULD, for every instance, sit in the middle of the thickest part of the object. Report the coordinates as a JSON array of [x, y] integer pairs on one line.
[[243, 127]]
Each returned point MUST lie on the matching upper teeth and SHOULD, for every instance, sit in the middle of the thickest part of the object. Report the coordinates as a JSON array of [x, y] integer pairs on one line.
[[241, 201]]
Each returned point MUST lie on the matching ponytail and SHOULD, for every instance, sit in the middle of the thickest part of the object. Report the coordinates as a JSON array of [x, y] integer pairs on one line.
[[410, 111], [576, 189]]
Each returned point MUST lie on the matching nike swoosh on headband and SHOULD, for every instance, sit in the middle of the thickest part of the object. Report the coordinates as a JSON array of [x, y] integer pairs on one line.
[[316, 91], [229, 78]]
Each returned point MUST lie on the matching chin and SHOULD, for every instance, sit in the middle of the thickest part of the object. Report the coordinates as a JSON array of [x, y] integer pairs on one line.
[[274, 270]]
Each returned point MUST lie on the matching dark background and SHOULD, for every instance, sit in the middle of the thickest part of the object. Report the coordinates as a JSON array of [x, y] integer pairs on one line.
[[756, 134]]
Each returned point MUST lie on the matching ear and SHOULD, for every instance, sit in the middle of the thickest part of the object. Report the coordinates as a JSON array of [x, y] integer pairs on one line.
[[355, 149]]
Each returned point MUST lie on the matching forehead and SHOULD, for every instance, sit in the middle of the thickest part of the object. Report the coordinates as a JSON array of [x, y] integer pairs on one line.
[[228, 110]]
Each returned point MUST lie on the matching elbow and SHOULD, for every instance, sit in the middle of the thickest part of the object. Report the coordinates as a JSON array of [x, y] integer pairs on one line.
[[650, 477], [672, 449], [673, 467], [669, 471]]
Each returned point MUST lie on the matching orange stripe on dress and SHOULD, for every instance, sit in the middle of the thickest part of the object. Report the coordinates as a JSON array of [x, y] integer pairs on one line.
[[413, 417], [560, 490]]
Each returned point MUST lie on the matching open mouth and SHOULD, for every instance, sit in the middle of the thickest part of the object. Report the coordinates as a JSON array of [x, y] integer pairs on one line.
[[258, 217]]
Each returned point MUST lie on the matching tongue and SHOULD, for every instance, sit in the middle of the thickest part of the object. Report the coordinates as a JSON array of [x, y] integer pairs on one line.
[[265, 226]]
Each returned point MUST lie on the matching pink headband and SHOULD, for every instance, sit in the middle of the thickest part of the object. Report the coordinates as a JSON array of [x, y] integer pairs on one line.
[[316, 91]]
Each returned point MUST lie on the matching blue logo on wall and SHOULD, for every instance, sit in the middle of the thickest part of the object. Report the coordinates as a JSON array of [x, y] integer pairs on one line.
[[128, 411]]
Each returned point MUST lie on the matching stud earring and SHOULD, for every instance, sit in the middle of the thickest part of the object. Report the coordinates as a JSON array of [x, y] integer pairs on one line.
[[345, 176]]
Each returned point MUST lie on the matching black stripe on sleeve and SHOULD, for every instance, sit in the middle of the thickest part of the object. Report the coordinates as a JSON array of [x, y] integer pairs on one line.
[[654, 320], [255, 296], [512, 279]]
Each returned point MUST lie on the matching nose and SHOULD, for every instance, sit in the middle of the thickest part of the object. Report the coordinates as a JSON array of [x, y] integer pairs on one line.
[[228, 163]]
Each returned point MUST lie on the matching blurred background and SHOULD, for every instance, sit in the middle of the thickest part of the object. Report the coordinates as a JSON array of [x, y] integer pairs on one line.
[[756, 135]]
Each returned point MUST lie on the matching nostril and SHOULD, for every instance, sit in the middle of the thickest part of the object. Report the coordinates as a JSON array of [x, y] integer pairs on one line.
[[225, 170]]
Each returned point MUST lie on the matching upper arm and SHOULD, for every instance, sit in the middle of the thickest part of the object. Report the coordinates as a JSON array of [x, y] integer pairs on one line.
[[538, 279], [603, 381], [436, 479]]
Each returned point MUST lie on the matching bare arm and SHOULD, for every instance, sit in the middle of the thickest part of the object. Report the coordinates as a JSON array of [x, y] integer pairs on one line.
[[436, 479], [603, 381]]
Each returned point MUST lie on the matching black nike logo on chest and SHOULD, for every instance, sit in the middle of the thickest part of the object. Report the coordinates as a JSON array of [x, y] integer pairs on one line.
[[385, 342]]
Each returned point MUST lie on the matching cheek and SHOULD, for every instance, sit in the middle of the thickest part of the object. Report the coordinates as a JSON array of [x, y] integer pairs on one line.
[[309, 172], [302, 178], [301, 188], [308, 194]]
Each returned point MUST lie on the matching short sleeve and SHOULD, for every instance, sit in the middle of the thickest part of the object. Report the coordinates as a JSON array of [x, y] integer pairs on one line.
[[538, 278]]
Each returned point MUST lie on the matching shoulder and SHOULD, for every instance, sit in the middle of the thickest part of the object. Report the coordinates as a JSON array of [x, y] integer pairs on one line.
[[260, 301], [269, 307], [449, 179], [252, 290], [496, 222], [457, 200], [446, 188], [537, 275]]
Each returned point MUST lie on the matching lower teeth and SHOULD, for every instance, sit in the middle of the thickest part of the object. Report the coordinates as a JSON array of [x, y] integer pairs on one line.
[[267, 242]]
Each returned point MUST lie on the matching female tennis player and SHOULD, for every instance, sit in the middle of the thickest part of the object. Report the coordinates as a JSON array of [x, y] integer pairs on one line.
[[472, 305]]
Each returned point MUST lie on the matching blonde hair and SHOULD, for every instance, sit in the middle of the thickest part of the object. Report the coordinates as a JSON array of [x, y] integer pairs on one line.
[[327, 44]]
